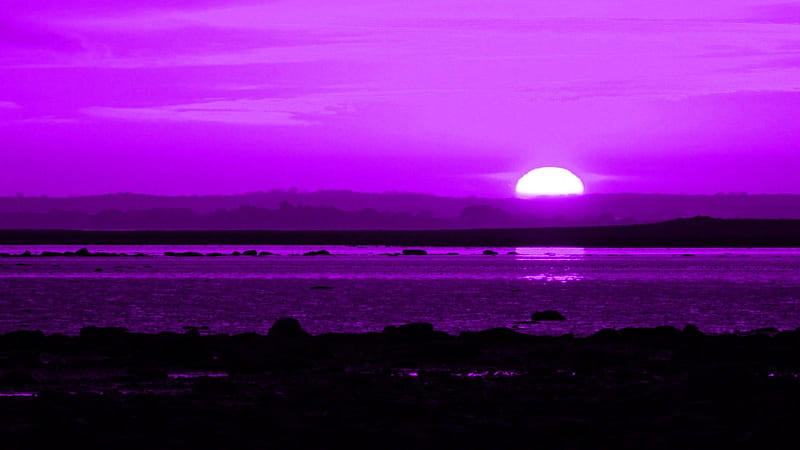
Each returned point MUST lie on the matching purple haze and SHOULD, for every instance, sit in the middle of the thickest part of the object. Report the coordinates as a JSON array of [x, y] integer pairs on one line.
[[453, 97]]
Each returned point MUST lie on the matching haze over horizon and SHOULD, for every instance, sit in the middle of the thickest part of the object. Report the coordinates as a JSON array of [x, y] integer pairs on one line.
[[450, 97]]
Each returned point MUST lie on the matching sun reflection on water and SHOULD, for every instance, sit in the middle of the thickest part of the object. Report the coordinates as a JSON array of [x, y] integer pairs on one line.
[[550, 253], [552, 277]]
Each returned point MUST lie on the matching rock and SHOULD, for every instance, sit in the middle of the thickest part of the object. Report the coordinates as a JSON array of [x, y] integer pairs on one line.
[[266, 254], [236, 253], [548, 315], [207, 385], [250, 253], [214, 254], [183, 254], [658, 333], [321, 287], [287, 327], [414, 252], [489, 252], [17, 378], [766, 330], [317, 253], [498, 334], [512, 253], [22, 339], [98, 335], [419, 331], [83, 252], [451, 254], [606, 334], [692, 330]]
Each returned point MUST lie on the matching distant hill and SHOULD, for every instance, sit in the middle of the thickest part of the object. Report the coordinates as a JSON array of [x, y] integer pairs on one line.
[[293, 210]]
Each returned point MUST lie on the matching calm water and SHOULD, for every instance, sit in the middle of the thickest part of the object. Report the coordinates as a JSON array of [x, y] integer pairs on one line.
[[717, 289]]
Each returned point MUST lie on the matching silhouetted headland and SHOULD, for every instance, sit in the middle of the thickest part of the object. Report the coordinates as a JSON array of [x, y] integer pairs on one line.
[[409, 386], [694, 232], [346, 210]]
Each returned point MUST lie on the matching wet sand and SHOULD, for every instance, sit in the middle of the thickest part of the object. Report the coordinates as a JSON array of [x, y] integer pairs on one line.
[[409, 386]]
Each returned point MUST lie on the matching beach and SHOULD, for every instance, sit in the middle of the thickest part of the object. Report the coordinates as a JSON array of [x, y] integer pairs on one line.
[[407, 386]]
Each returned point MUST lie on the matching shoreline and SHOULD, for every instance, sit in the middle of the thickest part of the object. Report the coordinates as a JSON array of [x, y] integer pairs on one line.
[[694, 232]]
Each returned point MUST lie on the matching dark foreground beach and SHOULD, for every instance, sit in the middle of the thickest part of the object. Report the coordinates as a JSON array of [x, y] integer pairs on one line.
[[407, 387]]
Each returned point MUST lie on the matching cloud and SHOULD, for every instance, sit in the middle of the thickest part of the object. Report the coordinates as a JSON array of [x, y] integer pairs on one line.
[[8, 105], [25, 34], [782, 13], [301, 110], [625, 48]]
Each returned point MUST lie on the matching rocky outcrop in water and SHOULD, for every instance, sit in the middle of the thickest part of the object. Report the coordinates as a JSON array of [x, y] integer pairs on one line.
[[549, 315]]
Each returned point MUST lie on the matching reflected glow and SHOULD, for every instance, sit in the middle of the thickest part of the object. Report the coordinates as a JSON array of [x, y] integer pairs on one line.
[[200, 374], [557, 278], [550, 253]]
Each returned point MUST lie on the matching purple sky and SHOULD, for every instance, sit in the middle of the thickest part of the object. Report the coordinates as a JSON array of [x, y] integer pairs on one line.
[[457, 97]]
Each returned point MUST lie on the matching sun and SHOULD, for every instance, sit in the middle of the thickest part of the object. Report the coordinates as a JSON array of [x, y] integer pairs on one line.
[[549, 181]]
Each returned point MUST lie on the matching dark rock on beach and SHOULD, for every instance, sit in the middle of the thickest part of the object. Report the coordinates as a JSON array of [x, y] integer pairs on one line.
[[417, 252], [287, 328], [317, 253], [489, 252]]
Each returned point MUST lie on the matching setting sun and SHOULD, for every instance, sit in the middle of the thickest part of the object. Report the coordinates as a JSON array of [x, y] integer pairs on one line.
[[549, 181]]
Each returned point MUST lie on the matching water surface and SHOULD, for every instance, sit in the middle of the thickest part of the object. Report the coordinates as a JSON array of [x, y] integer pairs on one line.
[[359, 289]]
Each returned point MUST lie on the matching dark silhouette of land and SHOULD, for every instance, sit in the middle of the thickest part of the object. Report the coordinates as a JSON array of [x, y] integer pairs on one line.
[[344, 210], [694, 232], [409, 386]]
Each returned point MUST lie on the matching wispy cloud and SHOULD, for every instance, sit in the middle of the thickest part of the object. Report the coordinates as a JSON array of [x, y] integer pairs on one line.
[[786, 12], [301, 110], [8, 105], [633, 48]]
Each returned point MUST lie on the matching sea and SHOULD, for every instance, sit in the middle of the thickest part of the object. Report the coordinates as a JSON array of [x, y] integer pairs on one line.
[[358, 289]]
